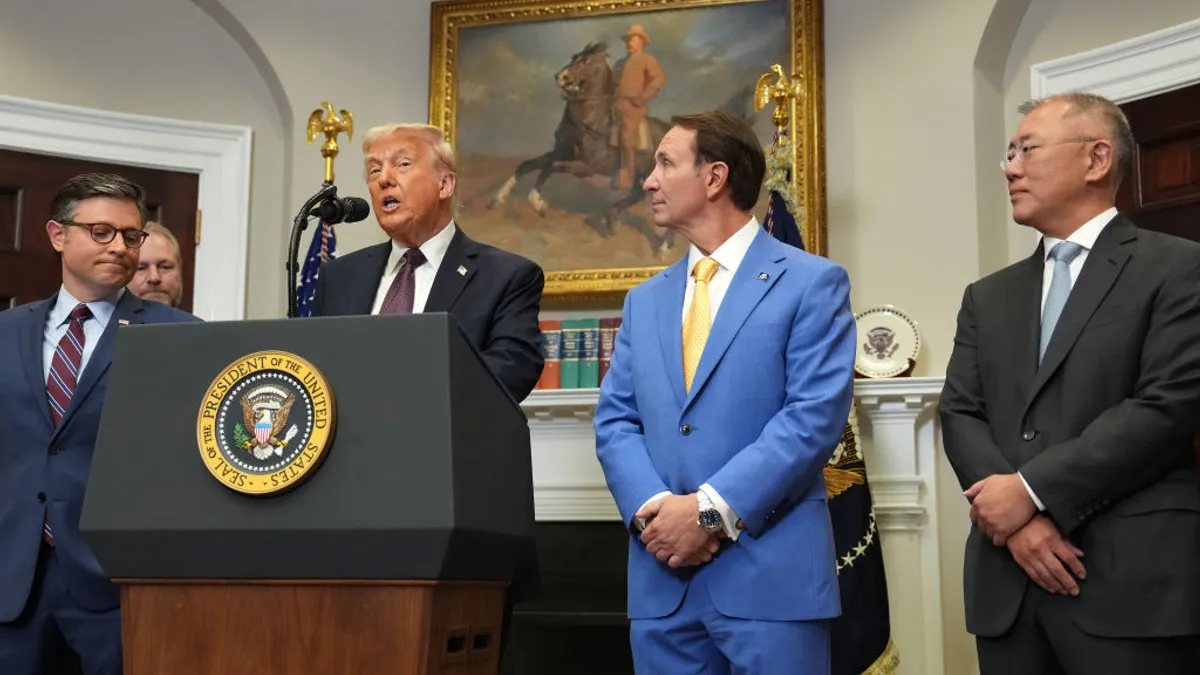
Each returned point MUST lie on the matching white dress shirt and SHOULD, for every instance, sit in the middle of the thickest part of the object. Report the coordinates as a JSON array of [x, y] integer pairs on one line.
[[434, 250], [1086, 237], [57, 323], [729, 256]]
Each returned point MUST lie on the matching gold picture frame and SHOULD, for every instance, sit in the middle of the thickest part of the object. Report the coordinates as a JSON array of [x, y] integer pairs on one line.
[[804, 40]]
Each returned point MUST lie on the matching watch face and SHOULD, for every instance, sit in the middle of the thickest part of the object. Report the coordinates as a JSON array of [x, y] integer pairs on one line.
[[710, 519]]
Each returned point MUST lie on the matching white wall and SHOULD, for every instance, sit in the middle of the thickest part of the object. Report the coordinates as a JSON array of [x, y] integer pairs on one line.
[[900, 174]]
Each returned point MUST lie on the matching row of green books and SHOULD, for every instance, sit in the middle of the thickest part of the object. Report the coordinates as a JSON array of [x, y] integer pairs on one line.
[[577, 352]]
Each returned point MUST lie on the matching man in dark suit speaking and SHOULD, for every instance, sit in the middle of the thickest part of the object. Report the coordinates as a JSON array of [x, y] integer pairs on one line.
[[1071, 400], [430, 264]]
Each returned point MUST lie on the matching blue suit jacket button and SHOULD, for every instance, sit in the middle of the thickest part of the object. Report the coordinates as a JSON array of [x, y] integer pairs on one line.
[[685, 429]]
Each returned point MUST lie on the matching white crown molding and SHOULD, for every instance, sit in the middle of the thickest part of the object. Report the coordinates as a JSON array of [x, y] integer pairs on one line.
[[558, 400], [574, 503], [1143, 66], [545, 405], [897, 501], [909, 388], [220, 154]]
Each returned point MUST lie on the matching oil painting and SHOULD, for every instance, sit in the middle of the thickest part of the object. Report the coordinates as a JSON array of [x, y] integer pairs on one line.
[[555, 110]]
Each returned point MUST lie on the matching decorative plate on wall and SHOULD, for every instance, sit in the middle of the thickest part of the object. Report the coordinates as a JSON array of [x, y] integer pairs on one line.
[[887, 340]]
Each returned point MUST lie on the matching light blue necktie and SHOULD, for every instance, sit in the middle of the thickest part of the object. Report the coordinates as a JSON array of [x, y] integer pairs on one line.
[[1060, 287]]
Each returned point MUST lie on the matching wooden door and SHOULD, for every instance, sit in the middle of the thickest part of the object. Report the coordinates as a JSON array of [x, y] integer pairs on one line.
[[1162, 191], [29, 268]]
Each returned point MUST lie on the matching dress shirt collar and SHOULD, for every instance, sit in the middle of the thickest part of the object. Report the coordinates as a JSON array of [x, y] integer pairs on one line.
[[729, 254]]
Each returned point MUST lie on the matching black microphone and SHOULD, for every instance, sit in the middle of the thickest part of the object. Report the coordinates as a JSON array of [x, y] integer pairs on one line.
[[344, 210]]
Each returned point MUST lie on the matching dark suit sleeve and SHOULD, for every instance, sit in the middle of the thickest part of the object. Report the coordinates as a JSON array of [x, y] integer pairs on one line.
[[1133, 443], [966, 432], [514, 348]]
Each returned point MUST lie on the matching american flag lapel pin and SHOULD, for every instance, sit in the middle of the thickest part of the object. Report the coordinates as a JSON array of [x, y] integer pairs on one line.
[[462, 271]]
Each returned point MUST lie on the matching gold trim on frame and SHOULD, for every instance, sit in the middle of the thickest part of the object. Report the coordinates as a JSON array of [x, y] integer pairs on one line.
[[807, 126]]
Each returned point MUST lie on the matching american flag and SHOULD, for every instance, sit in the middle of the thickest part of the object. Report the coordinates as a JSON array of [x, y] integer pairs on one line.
[[320, 251], [780, 220], [861, 638]]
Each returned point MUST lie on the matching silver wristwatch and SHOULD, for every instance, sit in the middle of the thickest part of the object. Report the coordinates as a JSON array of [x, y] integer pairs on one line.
[[710, 517]]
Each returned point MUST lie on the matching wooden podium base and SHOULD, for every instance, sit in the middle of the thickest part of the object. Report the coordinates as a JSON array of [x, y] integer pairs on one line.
[[315, 627]]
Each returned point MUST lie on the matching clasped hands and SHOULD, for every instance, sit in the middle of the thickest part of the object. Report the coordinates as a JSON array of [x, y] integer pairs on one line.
[[673, 533], [1005, 513]]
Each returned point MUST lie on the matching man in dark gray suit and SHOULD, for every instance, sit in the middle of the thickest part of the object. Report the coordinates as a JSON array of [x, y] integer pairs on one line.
[[1071, 400]]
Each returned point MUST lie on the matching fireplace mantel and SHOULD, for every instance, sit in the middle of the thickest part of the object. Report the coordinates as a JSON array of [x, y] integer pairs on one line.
[[900, 441]]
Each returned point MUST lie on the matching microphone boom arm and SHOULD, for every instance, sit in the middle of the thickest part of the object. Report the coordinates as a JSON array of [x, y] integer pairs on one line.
[[298, 227]]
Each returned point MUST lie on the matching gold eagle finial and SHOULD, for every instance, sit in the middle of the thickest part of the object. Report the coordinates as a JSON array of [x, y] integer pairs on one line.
[[781, 92], [325, 121]]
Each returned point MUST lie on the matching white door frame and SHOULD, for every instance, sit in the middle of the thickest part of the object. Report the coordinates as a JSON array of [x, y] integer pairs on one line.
[[219, 153], [1126, 71]]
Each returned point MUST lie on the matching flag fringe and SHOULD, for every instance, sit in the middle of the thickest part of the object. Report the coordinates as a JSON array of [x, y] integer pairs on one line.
[[887, 663], [780, 158]]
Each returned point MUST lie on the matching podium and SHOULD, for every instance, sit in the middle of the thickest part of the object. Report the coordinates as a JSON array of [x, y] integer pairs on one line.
[[389, 551]]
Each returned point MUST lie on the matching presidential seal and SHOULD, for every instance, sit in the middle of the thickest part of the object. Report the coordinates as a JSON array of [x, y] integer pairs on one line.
[[266, 423]]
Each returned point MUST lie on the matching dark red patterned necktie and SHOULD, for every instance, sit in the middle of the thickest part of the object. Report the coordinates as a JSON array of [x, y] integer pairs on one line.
[[402, 293]]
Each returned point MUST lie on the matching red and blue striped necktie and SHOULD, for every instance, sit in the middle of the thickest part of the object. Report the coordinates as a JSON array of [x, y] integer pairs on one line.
[[64, 376], [64, 367]]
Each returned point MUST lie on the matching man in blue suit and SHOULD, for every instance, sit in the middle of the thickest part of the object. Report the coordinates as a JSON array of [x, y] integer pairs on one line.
[[53, 594], [730, 384]]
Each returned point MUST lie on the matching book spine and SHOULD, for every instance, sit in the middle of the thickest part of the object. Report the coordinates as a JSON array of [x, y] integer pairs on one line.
[[569, 359], [551, 353], [608, 334], [589, 354]]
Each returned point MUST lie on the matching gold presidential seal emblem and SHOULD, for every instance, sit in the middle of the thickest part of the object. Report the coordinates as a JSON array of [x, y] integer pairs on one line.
[[266, 423]]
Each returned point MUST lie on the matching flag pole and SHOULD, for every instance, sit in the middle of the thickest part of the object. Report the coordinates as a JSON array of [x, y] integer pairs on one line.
[[783, 94], [322, 121], [860, 639]]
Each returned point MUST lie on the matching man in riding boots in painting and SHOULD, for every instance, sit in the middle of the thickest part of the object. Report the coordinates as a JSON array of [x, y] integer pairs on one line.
[[639, 80]]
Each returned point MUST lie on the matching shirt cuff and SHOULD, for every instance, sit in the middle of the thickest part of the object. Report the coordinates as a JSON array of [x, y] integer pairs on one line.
[[639, 524], [1037, 502], [729, 518]]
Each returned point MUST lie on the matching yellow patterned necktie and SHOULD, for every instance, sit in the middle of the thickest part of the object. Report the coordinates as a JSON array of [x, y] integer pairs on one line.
[[698, 321]]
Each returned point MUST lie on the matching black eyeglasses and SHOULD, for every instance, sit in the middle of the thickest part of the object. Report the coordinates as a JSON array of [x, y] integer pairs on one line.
[[102, 233]]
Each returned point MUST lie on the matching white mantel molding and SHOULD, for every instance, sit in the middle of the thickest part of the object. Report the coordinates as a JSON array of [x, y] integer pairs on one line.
[[894, 422]]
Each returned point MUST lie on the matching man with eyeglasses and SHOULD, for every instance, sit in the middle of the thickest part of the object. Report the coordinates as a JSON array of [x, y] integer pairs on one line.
[[1071, 400], [54, 596]]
